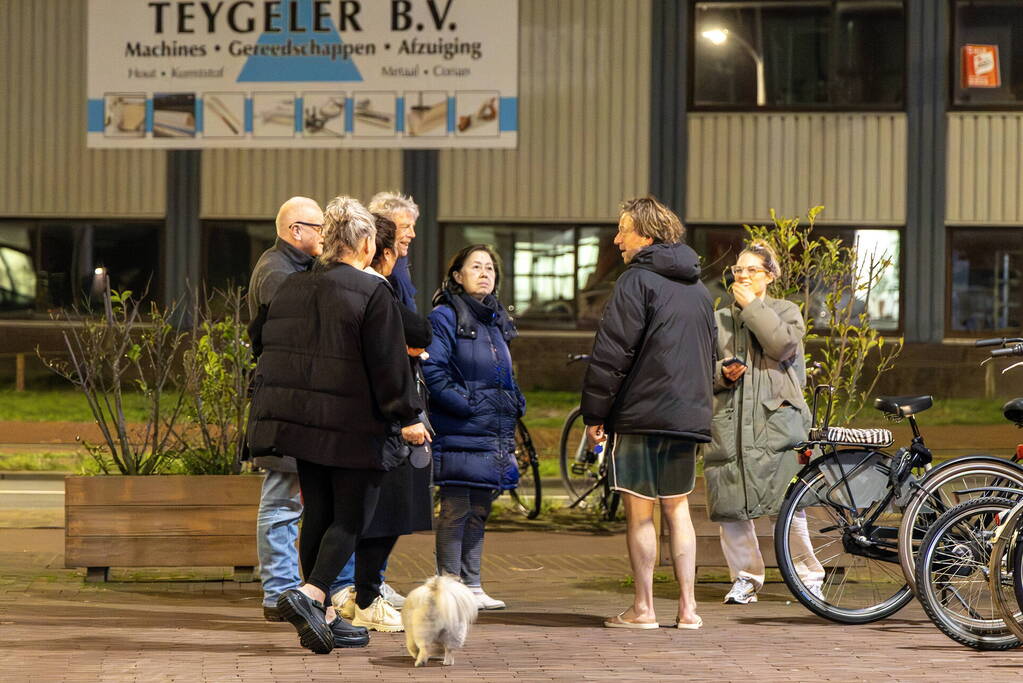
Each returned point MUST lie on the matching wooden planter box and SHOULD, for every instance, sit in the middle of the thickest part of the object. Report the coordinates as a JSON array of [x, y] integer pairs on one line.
[[161, 521]]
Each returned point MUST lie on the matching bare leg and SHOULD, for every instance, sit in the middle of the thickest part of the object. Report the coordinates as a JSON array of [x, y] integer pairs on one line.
[[642, 542], [683, 554]]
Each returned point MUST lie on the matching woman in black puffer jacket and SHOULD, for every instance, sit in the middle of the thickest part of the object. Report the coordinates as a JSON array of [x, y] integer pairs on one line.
[[474, 406]]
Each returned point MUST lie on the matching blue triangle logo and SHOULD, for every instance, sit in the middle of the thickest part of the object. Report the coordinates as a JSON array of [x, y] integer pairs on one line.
[[318, 67]]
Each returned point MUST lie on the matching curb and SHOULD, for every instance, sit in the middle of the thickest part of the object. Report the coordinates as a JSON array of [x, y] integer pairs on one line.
[[36, 475]]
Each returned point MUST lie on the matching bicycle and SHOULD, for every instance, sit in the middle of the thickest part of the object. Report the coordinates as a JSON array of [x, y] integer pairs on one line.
[[584, 470], [529, 494]]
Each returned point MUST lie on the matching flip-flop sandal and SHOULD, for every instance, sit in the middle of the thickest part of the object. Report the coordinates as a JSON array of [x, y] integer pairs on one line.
[[617, 622], [691, 626]]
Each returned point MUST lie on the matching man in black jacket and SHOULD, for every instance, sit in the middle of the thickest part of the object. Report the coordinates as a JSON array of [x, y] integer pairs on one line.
[[298, 243], [648, 391]]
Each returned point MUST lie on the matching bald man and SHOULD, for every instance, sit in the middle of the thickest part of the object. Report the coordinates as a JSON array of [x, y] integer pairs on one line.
[[298, 243]]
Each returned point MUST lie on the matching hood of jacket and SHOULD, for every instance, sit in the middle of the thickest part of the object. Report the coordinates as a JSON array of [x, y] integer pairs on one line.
[[673, 261]]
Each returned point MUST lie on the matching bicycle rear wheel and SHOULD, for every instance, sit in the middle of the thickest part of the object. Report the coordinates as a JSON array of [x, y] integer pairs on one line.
[[1003, 571], [944, 487], [579, 465], [831, 573], [952, 575], [528, 495]]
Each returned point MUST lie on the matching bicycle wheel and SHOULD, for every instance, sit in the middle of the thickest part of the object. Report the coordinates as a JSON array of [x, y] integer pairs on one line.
[[527, 496], [833, 567], [952, 575], [944, 487], [1004, 570], [579, 465]]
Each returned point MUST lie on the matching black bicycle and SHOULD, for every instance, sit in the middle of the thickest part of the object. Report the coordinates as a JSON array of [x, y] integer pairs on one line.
[[527, 497], [584, 468]]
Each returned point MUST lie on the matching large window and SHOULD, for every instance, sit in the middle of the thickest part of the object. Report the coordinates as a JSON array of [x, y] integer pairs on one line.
[[986, 280], [988, 53], [231, 250], [719, 247], [826, 54], [48, 265], [555, 276]]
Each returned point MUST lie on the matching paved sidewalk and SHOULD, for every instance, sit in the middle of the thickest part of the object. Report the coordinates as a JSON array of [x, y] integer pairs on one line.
[[148, 627]]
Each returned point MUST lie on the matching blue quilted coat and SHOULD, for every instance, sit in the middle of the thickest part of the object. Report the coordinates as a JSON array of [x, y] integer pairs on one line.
[[474, 400]]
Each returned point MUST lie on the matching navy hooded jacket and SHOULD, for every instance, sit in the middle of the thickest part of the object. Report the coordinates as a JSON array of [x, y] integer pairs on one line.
[[474, 400]]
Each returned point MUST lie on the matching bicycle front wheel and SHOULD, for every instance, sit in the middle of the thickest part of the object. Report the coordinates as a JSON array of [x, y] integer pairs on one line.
[[952, 575], [1004, 566], [528, 495], [825, 568], [580, 466], [944, 487]]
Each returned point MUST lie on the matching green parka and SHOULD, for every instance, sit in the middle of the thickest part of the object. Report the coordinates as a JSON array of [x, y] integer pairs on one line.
[[749, 462]]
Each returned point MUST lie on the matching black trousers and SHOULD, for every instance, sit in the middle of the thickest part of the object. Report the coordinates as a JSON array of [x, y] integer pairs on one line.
[[338, 506]]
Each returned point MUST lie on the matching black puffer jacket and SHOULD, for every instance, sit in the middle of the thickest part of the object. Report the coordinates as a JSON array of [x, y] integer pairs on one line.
[[333, 380], [652, 365]]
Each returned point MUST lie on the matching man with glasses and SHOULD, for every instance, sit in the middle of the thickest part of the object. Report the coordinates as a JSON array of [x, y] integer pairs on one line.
[[298, 243]]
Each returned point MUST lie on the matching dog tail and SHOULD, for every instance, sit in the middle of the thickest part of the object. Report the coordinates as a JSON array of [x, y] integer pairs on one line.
[[455, 602]]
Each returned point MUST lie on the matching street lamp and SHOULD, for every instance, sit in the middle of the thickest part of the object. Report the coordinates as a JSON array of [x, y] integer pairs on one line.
[[718, 36]]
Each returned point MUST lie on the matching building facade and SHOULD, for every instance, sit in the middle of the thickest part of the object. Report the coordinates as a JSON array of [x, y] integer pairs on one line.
[[724, 109]]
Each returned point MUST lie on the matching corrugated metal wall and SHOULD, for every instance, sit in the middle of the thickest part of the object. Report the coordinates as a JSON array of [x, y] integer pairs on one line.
[[46, 169], [584, 119], [742, 165], [985, 168], [253, 183]]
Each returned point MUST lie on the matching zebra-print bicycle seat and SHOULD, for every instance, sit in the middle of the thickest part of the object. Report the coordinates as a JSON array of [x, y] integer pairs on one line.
[[875, 438]]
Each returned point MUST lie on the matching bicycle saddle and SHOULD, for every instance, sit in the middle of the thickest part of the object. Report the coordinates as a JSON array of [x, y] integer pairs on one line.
[[903, 406], [1013, 410]]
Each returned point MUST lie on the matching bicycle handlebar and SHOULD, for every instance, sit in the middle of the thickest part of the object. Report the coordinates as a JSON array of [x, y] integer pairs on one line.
[[990, 342], [1014, 350]]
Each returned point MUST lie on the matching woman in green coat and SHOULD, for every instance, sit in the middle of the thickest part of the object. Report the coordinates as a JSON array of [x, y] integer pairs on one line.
[[759, 415]]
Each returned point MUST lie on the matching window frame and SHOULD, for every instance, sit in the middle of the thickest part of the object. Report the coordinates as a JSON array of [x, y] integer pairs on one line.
[[953, 68], [950, 333], [692, 229], [691, 105], [526, 324]]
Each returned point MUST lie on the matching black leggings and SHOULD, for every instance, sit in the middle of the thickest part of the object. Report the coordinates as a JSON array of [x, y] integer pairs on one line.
[[339, 505]]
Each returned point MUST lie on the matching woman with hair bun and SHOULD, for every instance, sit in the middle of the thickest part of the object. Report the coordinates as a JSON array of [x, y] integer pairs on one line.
[[759, 415]]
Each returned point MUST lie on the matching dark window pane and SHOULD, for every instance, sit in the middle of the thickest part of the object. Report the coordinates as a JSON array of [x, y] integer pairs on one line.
[[989, 23], [799, 53], [128, 253], [232, 250], [986, 277]]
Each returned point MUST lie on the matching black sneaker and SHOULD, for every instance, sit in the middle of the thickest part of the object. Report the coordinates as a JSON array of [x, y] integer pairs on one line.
[[306, 615], [346, 635], [272, 613]]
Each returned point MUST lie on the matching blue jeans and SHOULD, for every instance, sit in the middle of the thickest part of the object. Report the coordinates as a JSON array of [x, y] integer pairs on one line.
[[280, 507]]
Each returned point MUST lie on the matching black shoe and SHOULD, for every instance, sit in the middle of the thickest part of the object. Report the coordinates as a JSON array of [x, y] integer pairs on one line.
[[306, 615], [272, 614], [346, 635]]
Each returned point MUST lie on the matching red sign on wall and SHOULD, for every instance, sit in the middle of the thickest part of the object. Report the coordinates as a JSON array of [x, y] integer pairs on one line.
[[980, 67]]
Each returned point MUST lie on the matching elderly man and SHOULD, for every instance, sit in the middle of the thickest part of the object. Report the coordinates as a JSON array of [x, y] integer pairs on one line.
[[403, 212], [648, 392]]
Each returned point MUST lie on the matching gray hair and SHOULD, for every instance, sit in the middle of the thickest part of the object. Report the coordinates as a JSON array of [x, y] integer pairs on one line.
[[390, 203], [346, 223]]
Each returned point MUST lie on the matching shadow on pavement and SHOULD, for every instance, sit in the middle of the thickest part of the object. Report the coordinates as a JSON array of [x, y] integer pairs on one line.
[[545, 620]]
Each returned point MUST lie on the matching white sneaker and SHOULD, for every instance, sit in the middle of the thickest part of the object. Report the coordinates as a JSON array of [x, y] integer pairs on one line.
[[379, 616], [392, 596], [816, 591], [744, 592], [484, 601], [344, 602]]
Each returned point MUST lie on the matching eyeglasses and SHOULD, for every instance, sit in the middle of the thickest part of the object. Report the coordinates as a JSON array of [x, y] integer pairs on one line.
[[749, 270], [317, 227]]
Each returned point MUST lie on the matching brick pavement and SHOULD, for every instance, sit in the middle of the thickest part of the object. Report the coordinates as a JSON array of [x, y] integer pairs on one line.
[[149, 627]]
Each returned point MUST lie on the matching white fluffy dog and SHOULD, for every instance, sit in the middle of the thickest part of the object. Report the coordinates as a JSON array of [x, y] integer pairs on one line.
[[437, 616]]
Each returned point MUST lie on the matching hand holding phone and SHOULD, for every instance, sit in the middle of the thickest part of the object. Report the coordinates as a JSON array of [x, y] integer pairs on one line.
[[733, 369]]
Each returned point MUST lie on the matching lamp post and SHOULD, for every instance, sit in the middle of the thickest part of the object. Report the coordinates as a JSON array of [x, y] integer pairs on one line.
[[718, 36]]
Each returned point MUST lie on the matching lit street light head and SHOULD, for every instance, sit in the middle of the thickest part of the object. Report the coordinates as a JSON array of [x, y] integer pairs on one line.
[[716, 36]]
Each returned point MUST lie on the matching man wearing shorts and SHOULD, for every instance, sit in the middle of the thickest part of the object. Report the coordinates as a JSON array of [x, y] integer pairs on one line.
[[649, 391]]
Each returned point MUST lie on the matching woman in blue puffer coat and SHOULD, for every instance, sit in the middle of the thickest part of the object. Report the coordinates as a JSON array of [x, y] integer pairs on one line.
[[474, 405]]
